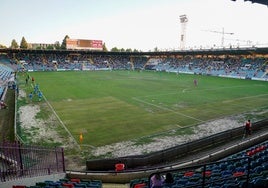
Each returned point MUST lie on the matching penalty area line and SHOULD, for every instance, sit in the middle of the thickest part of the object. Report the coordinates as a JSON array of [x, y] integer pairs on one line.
[[167, 109]]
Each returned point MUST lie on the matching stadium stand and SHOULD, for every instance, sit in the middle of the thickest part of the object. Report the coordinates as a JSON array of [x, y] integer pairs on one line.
[[6, 73], [242, 67], [236, 170], [245, 68]]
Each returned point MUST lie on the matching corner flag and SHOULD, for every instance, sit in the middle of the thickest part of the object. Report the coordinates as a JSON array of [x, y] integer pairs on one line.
[[81, 137]]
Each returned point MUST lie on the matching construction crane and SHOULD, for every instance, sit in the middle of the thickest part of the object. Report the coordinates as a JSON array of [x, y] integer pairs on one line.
[[223, 33]]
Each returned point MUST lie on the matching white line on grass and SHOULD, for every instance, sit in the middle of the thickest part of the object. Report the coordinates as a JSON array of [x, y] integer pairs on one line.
[[163, 94], [63, 125], [188, 89], [219, 88], [167, 109], [241, 98], [178, 125]]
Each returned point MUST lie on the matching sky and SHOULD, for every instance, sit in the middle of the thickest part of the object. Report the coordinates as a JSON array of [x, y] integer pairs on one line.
[[137, 24]]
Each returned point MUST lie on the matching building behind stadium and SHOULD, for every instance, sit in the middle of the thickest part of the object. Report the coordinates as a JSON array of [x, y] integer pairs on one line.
[[83, 44], [72, 44]]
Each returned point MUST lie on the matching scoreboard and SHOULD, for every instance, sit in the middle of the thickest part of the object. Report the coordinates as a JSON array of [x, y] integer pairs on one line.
[[82, 44]]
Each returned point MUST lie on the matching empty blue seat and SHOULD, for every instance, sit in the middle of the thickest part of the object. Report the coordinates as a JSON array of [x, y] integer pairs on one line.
[[230, 185], [258, 169], [226, 173], [240, 169], [80, 185], [181, 182], [265, 166], [260, 182]]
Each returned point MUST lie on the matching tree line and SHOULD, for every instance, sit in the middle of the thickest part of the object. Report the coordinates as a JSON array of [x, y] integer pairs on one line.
[[58, 46], [24, 45]]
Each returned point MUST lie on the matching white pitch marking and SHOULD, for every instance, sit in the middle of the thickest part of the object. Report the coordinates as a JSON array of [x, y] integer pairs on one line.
[[188, 90], [255, 96], [63, 125], [61, 122], [167, 109]]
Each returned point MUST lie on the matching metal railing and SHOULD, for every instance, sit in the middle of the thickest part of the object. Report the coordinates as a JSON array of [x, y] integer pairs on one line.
[[20, 161]]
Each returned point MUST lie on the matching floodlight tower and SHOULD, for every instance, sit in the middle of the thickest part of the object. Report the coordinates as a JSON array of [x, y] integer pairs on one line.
[[183, 20]]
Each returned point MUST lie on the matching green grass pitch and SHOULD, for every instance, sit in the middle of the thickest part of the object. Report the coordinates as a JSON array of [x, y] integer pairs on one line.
[[114, 106]]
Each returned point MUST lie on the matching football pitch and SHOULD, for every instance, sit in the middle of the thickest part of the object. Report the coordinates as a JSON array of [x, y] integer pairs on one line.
[[114, 106]]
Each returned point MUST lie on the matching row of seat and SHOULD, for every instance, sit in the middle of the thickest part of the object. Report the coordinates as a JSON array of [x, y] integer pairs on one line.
[[5, 72], [65, 183], [229, 172]]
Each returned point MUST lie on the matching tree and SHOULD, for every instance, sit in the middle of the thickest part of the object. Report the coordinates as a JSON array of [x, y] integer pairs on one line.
[[14, 44], [63, 44], [23, 43], [128, 50], [114, 49], [104, 48], [50, 47]]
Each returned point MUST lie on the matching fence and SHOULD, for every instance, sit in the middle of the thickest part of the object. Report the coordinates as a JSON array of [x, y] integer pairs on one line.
[[20, 161]]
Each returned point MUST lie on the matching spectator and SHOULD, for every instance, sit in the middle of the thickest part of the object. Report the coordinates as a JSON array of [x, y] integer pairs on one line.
[[169, 179], [248, 128], [156, 181]]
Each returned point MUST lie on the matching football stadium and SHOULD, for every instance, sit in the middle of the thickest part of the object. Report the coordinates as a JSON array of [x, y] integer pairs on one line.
[[85, 117]]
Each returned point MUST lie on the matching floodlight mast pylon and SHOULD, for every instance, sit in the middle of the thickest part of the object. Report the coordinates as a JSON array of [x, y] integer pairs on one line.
[[183, 21]]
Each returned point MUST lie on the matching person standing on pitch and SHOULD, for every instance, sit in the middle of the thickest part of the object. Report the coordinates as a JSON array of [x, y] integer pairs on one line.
[[195, 82]]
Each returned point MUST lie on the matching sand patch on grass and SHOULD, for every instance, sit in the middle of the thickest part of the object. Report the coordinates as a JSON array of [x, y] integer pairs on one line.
[[38, 129], [159, 143]]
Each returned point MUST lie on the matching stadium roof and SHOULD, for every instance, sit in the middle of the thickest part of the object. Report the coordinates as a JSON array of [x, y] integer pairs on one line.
[[216, 52], [264, 2]]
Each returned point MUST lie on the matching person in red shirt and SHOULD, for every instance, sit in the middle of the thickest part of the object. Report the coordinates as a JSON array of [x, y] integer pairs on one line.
[[248, 128], [195, 82]]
